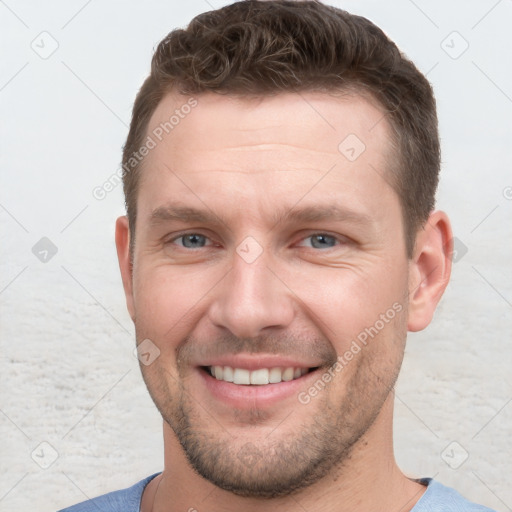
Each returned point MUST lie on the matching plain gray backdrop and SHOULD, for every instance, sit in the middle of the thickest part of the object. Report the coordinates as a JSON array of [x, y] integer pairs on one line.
[[76, 420]]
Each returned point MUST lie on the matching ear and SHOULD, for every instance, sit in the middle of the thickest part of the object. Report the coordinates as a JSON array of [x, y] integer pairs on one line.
[[429, 269], [123, 255]]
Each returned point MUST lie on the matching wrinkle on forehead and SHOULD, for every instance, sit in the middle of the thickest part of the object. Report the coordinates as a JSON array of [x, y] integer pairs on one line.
[[315, 122]]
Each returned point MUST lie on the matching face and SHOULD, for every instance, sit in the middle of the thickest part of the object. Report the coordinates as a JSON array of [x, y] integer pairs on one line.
[[270, 273]]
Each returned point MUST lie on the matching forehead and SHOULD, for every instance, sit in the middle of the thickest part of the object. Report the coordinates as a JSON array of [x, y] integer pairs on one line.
[[266, 151], [309, 120]]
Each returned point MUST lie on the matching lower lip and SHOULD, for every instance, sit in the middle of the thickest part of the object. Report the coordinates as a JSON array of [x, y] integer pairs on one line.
[[251, 396]]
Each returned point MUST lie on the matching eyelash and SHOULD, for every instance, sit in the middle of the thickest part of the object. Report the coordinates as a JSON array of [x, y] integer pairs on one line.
[[182, 235]]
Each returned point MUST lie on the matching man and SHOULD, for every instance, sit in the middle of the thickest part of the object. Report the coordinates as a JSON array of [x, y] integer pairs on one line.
[[280, 240]]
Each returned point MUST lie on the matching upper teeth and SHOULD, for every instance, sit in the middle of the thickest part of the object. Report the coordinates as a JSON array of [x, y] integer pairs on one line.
[[258, 377]]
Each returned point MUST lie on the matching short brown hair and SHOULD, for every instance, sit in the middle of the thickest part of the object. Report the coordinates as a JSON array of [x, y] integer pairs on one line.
[[263, 47]]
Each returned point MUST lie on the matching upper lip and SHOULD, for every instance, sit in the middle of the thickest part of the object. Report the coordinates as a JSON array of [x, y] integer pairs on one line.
[[255, 362]]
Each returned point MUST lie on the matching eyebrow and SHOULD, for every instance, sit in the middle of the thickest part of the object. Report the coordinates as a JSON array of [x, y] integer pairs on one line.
[[315, 213]]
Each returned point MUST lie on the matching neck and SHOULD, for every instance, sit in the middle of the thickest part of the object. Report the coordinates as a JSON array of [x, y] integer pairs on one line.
[[369, 480]]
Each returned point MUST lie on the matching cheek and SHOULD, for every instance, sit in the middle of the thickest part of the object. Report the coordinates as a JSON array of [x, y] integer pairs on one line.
[[168, 299], [347, 302], [341, 302]]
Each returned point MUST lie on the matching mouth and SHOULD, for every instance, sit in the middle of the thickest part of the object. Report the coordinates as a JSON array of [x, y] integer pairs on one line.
[[267, 382], [257, 377]]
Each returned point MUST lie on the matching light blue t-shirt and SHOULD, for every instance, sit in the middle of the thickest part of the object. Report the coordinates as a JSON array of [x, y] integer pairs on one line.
[[437, 498]]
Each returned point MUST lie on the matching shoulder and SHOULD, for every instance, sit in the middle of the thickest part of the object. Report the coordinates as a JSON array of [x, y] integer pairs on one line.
[[124, 500], [439, 498]]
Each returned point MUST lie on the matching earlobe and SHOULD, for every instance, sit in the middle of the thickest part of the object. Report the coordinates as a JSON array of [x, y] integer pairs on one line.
[[429, 270], [123, 255]]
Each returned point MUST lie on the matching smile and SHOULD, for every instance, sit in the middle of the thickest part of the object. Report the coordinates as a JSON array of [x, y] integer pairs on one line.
[[258, 377]]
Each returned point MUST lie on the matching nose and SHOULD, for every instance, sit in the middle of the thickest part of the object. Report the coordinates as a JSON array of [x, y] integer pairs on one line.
[[251, 298]]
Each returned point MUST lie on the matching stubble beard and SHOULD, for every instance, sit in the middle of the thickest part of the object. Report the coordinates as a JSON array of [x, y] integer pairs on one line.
[[287, 461]]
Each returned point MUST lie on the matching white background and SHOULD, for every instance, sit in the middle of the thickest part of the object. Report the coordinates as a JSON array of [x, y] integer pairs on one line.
[[68, 375]]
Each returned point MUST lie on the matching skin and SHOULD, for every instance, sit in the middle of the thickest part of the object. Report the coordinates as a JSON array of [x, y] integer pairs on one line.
[[302, 297]]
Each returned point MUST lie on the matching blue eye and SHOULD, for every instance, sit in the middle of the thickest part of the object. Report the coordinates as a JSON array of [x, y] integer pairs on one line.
[[322, 241], [198, 241], [193, 240]]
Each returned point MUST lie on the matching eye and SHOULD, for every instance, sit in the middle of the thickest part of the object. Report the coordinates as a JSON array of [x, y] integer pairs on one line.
[[198, 241], [191, 240], [321, 241]]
